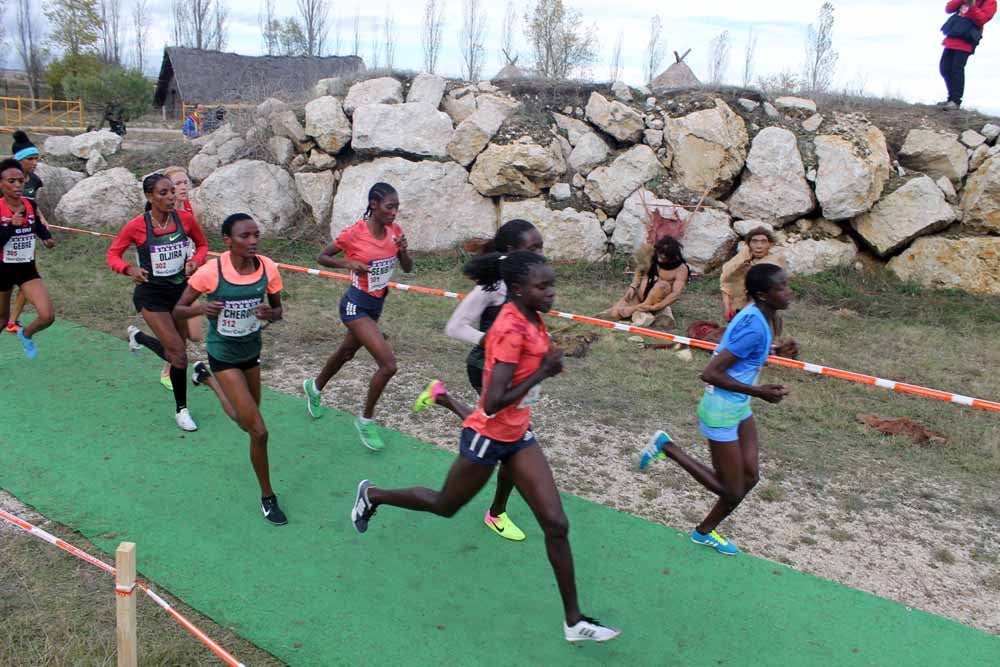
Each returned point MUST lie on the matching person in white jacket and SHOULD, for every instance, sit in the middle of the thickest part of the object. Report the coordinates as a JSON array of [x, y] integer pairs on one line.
[[469, 324]]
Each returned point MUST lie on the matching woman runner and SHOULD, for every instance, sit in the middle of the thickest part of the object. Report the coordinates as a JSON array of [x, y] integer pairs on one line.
[[724, 412], [160, 236], [195, 326], [469, 324], [27, 154], [371, 248], [18, 228], [234, 287], [518, 358]]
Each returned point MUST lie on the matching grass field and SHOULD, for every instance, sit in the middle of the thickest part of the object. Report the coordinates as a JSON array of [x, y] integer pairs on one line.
[[829, 483]]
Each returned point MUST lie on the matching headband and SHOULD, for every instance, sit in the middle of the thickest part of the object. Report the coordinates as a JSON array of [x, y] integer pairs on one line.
[[25, 153]]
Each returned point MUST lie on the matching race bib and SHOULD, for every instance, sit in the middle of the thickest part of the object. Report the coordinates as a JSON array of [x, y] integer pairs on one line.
[[168, 259], [20, 248], [379, 273], [237, 318], [533, 396]]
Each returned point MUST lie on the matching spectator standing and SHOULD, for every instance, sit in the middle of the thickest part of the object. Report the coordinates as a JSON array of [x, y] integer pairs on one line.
[[963, 30], [192, 124]]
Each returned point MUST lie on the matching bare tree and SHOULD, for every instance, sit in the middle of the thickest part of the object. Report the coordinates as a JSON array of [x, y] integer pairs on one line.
[[357, 33], [507, 36], [29, 45], [267, 17], [718, 58], [748, 57], [375, 59], [559, 42], [430, 38], [471, 38], [199, 24], [389, 38], [615, 70], [654, 49], [180, 25], [336, 36], [220, 32], [315, 24], [140, 33], [110, 29], [821, 59]]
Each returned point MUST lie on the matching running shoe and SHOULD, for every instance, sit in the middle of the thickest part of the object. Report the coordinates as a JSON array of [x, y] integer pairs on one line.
[[29, 345], [273, 513], [201, 374], [314, 397], [13, 327], [429, 395], [363, 509], [184, 420], [654, 449], [589, 629], [716, 541], [370, 436], [166, 382], [133, 344], [503, 526]]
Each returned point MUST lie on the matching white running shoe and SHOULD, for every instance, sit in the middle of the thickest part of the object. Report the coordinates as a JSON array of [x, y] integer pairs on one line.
[[589, 629], [133, 344], [185, 422]]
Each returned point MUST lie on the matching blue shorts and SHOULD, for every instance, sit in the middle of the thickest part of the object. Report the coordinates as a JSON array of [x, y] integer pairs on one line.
[[356, 304], [721, 433], [482, 450]]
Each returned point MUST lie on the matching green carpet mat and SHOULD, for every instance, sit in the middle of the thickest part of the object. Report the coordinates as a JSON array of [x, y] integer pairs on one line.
[[89, 440]]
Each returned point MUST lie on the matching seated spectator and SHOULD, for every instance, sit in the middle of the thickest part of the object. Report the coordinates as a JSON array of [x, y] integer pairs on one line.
[[654, 289], [192, 124], [756, 250]]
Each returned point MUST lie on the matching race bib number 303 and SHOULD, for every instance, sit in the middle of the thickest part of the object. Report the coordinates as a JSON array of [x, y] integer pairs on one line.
[[380, 272]]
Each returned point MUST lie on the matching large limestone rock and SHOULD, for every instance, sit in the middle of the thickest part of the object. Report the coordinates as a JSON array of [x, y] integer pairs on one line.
[[799, 104], [282, 149], [569, 234], [621, 91], [589, 152], [412, 129], [105, 141], [811, 256], [610, 185], [286, 124], [316, 190], [851, 174], [981, 198], [970, 264], [58, 181], [460, 103], [111, 197], [96, 163], [521, 169], [473, 135], [262, 190], [384, 90], [426, 88], [708, 240], [916, 209], [334, 86], [774, 184], [630, 225], [269, 106], [202, 165], [709, 148], [935, 154], [617, 119], [58, 146], [327, 124], [438, 205], [575, 129]]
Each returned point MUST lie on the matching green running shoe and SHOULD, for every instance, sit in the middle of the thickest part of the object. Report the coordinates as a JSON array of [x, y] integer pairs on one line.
[[429, 395], [503, 526], [370, 436], [167, 384], [314, 398]]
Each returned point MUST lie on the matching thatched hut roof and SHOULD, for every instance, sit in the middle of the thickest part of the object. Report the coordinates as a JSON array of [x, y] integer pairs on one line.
[[509, 71], [676, 77], [216, 77]]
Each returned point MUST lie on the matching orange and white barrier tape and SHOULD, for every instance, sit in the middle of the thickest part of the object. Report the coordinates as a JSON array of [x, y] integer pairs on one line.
[[124, 590], [850, 376]]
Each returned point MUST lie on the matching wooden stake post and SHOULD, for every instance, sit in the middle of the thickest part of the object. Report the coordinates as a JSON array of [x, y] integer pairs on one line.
[[124, 592]]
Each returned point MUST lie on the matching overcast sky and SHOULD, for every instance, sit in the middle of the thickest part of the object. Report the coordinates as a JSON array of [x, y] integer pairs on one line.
[[888, 48]]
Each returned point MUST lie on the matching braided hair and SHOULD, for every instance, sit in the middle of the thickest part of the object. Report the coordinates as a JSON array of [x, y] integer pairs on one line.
[[230, 222], [513, 268], [378, 192]]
